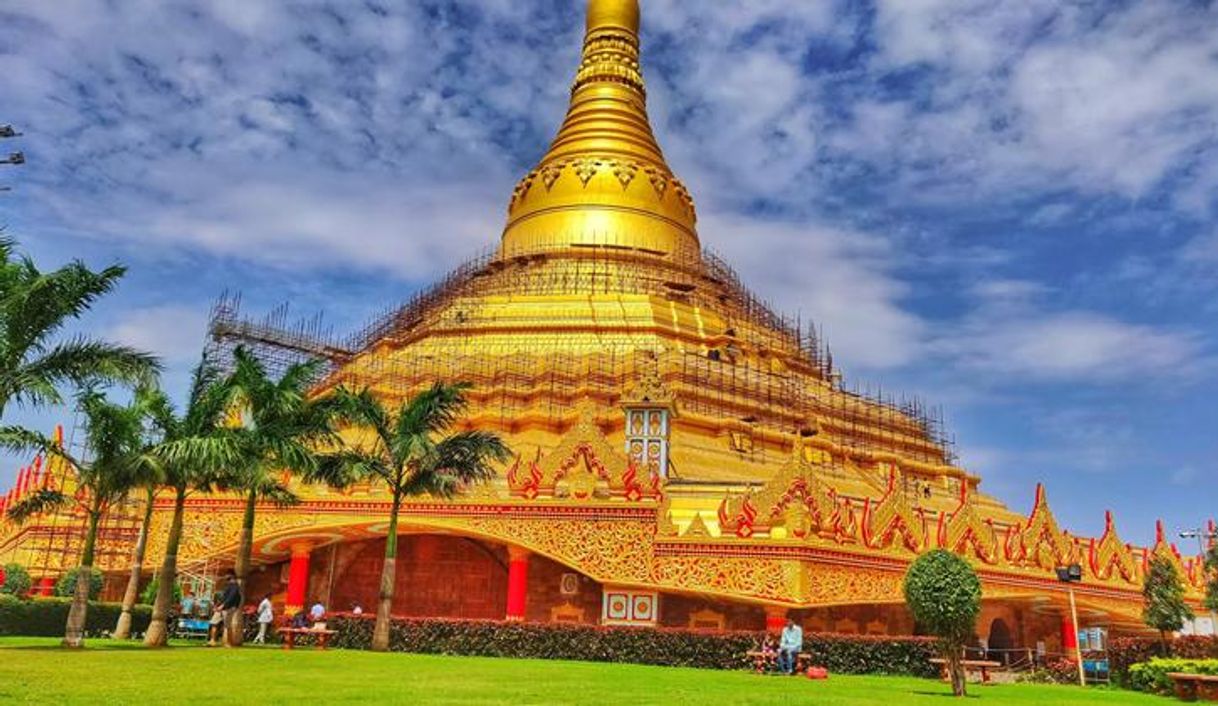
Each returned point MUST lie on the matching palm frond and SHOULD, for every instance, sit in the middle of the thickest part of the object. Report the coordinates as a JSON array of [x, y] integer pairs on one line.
[[20, 440], [457, 461], [277, 493], [81, 362], [40, 501], [43, 302], [432, 411], [345, 467]]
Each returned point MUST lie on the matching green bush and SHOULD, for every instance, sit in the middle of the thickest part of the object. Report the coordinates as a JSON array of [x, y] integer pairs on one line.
[[1152, 676], [17, 580], [846, 654], [66, 585], [1124, 652], [46, 617]]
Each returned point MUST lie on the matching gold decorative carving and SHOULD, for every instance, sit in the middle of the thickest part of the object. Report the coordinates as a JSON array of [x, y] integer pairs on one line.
[[892, 518], [1042, 543], [1110, 557], [965, 528]]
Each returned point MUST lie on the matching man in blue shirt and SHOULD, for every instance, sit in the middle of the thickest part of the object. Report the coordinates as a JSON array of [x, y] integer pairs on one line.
[[789, 646]]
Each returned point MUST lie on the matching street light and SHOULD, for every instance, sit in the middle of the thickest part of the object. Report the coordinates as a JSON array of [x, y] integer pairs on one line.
[[14, 158], [1071, 575], [1204, 538]]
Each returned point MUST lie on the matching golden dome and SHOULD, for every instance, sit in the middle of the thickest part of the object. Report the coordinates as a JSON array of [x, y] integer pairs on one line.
[[604, 182]]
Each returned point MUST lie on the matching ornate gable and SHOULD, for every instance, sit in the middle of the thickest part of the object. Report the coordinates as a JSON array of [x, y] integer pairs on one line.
[[795, 499], [964, 528], [1110, 555], [583, 466], [892, 518], [1041, 542], [1165, 550]]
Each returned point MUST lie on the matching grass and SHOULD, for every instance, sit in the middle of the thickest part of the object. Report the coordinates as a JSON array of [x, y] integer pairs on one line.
[[36, 670]]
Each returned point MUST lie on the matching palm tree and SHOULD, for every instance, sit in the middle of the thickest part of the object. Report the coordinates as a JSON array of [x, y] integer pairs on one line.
[[117, 445], [122, 630], [34, 306], [281, 428], [195, 447], [412, 451]]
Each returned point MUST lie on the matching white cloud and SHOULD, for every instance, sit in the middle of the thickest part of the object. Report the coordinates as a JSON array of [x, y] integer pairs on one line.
[[841, 280], [1070, 345], [1046, 94], [172, 332]]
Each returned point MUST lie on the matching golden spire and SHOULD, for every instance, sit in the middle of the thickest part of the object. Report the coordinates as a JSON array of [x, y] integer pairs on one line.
[[604, 181]]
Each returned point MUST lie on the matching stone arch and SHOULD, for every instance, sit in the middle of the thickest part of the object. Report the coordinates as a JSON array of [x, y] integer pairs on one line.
[[1000, 637]]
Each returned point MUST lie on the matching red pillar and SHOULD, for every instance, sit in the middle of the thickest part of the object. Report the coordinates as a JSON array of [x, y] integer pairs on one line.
[[298, 578], [1069, 636], [775, 618], [518, 583]]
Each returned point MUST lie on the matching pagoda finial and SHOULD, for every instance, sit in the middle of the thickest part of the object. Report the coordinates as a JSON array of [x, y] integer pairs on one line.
[[604, 181], [619, 14]]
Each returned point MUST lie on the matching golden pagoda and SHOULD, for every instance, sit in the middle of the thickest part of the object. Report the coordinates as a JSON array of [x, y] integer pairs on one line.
[[685, 457]]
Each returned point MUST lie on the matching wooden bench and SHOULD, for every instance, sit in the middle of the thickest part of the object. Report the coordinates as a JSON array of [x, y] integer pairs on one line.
[[1193, 687], [763, 661], [983, 666], [289, 636]]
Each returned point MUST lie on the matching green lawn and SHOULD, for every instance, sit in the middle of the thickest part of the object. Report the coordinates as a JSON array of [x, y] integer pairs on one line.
[[36, 670]]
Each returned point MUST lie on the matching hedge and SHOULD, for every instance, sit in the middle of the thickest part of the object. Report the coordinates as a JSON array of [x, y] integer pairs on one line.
[[846, 654], [1152, 676], [1124, 652], [46, 617]]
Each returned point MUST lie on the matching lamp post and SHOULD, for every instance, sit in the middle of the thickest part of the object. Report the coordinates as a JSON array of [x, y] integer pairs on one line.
[[1071, 575], [14, 158], [1204, 539]]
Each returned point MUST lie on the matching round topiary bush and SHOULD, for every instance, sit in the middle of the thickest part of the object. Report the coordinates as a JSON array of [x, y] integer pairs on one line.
[[944, 595], [66, 585], [16, 580]]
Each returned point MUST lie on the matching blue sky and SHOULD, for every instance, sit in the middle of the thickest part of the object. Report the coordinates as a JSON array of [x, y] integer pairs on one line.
[[1008, 208]]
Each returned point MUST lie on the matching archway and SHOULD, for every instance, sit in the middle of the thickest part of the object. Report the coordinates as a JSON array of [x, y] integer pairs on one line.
[[1000, 641]]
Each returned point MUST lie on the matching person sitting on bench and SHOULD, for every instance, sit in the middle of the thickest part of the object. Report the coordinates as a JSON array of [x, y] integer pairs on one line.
[[789, 646]]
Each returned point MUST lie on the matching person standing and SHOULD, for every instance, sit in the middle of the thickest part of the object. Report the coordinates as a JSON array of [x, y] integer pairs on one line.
[[230, 603], [789, 646], [266, 615], [215, 624]]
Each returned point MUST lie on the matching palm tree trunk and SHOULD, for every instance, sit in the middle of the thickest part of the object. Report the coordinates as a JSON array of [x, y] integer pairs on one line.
[[384, 606], [234, 636], [122, 631], [74, 631], [158, 631]]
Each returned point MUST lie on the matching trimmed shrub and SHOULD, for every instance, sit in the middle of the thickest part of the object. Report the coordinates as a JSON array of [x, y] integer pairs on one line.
[[943, 594], [1124, 652], [845, 654], [16, 581], [66, 585], [46, 617], [1061, 670], [1152, 676]]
